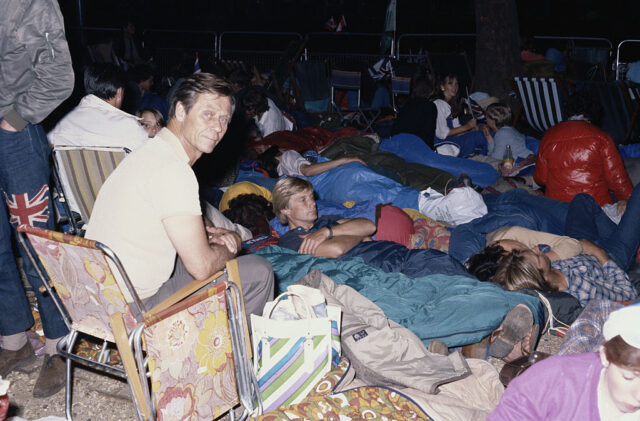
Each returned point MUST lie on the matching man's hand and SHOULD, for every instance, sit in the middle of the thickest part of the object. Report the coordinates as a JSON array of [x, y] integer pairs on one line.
[[311, 241], [224, 237], [591, 249], [4, 125], [487, 133]]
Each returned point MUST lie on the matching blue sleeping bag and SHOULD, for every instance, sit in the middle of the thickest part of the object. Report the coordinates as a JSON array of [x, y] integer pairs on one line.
[[455, 309], [358, 183], [412, 149]]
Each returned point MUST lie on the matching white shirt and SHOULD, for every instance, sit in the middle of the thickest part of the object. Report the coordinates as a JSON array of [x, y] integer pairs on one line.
[[272, 120], [444, 111], [290, 163], [94, 122]]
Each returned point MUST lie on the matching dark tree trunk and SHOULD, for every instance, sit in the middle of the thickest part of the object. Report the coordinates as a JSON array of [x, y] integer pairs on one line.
[[497, 46]]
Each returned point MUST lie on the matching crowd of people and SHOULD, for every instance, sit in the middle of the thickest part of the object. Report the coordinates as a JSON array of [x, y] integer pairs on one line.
[[154, 209]]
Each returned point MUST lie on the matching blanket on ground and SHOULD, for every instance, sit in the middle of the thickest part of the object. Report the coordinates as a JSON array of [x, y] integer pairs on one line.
[[455, 309]]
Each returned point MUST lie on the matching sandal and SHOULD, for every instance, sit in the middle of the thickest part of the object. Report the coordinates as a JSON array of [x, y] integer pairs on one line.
[[513, 369], [515, 326]]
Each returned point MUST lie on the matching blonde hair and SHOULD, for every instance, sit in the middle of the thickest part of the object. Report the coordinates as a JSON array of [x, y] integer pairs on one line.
[[516, 272], [283, 190], [500, 113]]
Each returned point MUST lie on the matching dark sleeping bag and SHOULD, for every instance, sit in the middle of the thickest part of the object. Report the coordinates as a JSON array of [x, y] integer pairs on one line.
[[394, 257]]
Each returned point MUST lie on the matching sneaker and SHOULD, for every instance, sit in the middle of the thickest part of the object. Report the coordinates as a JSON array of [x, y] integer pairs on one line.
[[516, 325], [52, 377], [10, 360], [436, 346]]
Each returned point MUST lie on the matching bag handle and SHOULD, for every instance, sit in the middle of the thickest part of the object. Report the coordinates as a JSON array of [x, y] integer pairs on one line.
[[292, 294]]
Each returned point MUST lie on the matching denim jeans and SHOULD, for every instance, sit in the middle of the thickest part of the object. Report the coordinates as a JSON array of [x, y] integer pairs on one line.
[[586, 220], [24, 185], [515, 207]]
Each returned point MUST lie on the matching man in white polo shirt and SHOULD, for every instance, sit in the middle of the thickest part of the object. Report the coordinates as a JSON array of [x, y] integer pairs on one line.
[[148, 210]]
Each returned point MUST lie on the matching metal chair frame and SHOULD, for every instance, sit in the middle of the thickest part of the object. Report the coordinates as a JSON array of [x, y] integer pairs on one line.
[[245, 378]]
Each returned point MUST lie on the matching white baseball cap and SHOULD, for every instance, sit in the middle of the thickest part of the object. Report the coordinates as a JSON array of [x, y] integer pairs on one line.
[[626, 323]]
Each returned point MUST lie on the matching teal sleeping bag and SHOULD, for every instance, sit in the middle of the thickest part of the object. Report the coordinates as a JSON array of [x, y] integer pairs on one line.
[[458, 310]]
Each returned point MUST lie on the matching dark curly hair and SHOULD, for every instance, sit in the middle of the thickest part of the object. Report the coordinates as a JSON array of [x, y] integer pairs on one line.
[[268, 162], [584, 102], [251, 211], [483, 265]]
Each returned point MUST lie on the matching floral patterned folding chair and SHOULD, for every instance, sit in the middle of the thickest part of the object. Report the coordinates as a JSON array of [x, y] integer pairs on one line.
[[187, 358]]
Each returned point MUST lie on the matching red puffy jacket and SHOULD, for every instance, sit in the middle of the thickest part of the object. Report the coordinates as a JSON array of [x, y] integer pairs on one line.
[[577, 157]]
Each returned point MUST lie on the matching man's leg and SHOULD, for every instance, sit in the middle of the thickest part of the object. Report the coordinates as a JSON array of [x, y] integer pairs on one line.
[[587, 220], [24, 177], [256, 275]]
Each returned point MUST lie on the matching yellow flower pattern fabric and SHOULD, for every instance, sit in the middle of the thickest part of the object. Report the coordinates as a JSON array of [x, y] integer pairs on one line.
[[362, 403], [84, 282], [190, 361]]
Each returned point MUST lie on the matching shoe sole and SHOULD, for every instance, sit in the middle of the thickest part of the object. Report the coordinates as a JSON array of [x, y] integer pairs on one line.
[[30, 360], [516, 324]]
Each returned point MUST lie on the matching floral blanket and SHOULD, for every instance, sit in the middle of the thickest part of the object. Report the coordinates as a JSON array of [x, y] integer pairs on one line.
[[361, 403]]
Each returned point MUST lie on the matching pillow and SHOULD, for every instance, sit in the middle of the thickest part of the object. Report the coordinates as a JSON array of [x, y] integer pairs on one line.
[[221, 221], [242, 187], [393, 225]]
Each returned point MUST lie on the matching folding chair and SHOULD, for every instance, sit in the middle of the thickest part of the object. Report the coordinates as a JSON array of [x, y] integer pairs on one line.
[[350, 81], [311, 85], [196, 347], [541, 100], [399, 86], [83, 169]]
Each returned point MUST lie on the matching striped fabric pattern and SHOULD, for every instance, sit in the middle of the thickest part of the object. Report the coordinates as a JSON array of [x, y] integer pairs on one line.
[[292, 356], [86, 169], [541, 101]]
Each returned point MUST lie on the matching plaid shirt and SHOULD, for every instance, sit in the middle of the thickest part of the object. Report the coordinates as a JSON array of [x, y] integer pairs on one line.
[[588, 280], [585, 333]]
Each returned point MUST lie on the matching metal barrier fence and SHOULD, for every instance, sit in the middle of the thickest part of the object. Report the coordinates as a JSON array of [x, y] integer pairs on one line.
[[266, 48], [410, 46], [344, 50], [620, 67]]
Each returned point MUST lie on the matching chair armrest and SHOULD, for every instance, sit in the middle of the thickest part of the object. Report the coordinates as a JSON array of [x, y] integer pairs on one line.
[[181, 294]]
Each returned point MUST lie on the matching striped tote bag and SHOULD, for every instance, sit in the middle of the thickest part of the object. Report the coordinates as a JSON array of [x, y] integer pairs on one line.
[[291, 356]]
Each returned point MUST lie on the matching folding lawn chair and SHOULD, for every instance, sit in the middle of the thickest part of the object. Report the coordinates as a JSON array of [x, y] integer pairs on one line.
[[399, 86], [192, 352], [344, 80], [83, 169], [541, 100], [311, 85]]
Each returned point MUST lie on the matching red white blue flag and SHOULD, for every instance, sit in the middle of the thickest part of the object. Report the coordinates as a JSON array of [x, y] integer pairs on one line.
[[26, 210]]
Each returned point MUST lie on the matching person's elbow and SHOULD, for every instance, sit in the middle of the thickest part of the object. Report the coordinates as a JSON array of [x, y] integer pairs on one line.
[[369, 227]]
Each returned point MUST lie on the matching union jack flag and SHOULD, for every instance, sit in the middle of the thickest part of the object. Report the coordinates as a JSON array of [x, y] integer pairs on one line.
[[25, 210]]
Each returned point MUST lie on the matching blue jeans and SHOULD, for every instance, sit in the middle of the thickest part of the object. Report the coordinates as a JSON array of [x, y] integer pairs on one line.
[[515, 207], [472, 142], [586, 220], [24, 184]]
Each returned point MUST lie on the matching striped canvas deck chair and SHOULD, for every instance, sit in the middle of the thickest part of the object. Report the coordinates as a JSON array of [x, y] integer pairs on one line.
[[83, 170], [186, 358], [541, 100]]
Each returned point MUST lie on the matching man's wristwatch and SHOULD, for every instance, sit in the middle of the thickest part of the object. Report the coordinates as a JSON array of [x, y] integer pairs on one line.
[[330, 233]]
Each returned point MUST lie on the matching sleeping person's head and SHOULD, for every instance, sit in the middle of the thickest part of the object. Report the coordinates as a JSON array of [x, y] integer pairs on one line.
[[524, 269]]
